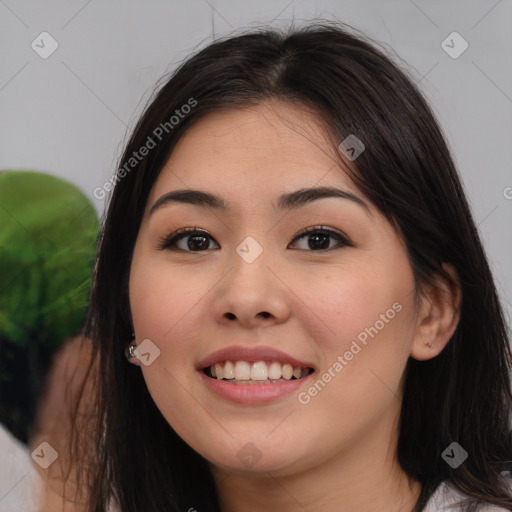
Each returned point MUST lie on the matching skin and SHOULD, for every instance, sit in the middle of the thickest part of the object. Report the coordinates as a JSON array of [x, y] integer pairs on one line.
[[340, 448]]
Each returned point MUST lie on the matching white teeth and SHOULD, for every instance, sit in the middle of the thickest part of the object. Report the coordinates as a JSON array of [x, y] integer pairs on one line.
[[274, 371], [287, 371], [259, 371], [242, 370], [229, 370]]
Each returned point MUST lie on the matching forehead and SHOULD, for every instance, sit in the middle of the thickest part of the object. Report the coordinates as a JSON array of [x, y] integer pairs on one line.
[[254, 152]]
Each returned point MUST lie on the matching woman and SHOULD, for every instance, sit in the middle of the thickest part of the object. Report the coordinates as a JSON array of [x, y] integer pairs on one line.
[[337, 342]]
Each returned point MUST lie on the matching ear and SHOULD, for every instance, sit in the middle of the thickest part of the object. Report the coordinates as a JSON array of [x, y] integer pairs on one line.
[[438, 315]]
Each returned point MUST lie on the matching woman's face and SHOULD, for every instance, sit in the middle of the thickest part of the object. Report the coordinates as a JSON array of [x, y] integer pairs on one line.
[[254, 294]]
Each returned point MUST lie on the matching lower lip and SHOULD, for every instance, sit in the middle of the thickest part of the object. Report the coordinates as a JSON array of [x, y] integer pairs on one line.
[[252, 393]]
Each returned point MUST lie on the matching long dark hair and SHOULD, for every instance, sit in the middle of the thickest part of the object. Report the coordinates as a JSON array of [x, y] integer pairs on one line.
[[406, 170]]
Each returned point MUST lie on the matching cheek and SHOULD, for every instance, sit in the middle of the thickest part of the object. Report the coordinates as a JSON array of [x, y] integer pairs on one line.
[[163, 304], [364, 343], [159, 297], [344, 306], [362, 324], [167, 306]]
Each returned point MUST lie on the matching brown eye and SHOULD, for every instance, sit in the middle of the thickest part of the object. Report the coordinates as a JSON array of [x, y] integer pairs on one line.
[[196, 240], [318, 239]]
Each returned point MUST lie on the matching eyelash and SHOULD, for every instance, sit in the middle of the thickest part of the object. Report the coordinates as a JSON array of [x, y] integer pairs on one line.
[[169, 242]]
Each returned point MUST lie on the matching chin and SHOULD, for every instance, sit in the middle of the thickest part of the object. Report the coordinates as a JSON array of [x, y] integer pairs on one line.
[[257, 457]]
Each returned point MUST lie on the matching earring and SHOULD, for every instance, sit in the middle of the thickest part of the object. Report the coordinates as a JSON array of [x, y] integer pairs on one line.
[[429, 344], [129, 352]]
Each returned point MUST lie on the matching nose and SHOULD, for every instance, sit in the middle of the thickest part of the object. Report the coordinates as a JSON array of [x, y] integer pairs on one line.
[[252, 294]]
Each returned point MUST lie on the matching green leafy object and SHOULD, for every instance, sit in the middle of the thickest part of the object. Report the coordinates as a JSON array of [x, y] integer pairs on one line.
[[48, 236]]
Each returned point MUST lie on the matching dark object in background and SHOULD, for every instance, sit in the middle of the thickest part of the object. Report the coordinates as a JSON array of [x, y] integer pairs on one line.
[[48, 236]]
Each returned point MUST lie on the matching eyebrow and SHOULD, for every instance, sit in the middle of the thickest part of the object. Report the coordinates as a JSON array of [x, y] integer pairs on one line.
[[290, 201]]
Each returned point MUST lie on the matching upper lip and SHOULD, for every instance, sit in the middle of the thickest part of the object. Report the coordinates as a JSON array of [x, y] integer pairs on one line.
[[251, 354]]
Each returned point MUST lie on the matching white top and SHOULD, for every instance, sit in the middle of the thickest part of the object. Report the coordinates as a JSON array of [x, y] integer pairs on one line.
[[446, 495], [20, 484]]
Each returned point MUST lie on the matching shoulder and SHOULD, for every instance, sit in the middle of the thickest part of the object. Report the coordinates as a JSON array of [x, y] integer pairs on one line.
[[446, 496]]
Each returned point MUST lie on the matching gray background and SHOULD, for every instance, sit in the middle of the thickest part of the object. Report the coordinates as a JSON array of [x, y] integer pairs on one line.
[[69, 114]]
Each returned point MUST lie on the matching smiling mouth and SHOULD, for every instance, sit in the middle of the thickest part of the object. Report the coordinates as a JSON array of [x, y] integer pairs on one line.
[[256, 373]]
